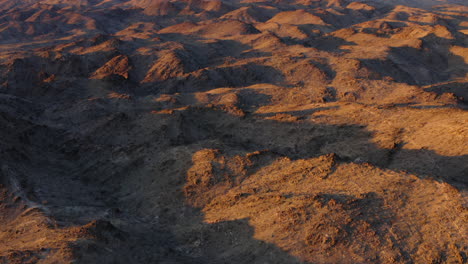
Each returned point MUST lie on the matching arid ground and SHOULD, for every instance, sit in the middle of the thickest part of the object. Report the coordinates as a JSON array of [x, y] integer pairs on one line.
[[234, 131]]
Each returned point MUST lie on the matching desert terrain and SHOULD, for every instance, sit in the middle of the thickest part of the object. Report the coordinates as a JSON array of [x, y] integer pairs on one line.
[[233, 131]]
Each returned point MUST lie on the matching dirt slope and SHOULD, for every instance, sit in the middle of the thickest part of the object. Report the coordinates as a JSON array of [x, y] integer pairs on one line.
[[288, 131]]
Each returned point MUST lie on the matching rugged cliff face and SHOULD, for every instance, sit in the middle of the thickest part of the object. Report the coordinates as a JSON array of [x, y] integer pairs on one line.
[[195, 131]]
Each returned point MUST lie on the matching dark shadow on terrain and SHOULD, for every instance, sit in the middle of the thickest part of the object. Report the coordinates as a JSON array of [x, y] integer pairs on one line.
[[81, 176], [460, 89], [222, 242], [325, 66], [386, 29], [49, 78], [203, 66], [329, 43], [428, 65], [201, 61], [27, 75], [117, 233], [250, 99], [226, 76], [417, 106], [212, 53], [210, 129], [55, 163], [344, 17], [300, 140], [113, 20], [445, 8], [194, 52]]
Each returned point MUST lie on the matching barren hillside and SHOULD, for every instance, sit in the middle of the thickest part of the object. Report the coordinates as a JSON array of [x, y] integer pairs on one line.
[[233, 131]]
